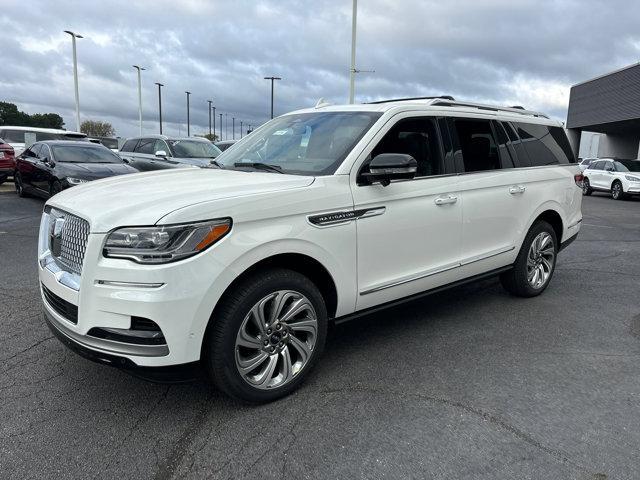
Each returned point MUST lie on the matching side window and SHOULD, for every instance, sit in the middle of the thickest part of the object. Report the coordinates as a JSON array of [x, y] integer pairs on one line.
[[521, 159], [505, 150], [608, 166], [161, 145], [34, 151], [129, 145], [477, 144], [417, 137], [146, 146], [45, 153], [542, 147], [597, 165], [559, 137]]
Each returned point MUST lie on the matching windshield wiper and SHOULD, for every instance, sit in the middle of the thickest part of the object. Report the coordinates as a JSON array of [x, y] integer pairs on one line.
[[267, 167]]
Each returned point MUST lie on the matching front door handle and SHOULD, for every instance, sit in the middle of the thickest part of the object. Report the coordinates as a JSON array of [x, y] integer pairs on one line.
[[446, 200], [516, 189]]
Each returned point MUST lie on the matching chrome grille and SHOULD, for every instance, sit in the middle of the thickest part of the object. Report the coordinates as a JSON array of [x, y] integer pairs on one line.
[[73, 240]]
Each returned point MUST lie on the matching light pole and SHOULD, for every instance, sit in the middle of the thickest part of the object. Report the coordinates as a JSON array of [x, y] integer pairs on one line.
[[210, 102], [240, 128], [139, 69], [272, 79], [233, 130], [188, 128], [226, 126], [352, 70], [220, 126], [160, 85], [75, 75], [214, 120]]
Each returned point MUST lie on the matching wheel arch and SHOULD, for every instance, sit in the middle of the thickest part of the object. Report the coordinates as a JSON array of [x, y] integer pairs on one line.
[[553, 217]]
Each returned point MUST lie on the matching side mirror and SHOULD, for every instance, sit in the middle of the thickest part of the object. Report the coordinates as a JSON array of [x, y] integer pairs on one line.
[[390, 166], [161, 153]]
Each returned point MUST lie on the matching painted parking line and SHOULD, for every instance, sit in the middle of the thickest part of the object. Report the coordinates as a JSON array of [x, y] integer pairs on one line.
[[594, 225]]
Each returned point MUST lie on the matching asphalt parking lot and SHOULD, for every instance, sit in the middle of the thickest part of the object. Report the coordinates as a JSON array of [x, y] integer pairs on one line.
[[470, 383]]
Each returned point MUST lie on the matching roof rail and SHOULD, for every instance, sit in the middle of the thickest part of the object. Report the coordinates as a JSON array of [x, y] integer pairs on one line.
[[517, 110], [445, 97]]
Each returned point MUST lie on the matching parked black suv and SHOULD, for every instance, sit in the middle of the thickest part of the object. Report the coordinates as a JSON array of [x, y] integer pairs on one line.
[[157, 152]]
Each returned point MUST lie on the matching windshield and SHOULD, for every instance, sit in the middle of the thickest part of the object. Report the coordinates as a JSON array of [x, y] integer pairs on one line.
[[84, 154], [193, 149], [303, 144], [627, 165]]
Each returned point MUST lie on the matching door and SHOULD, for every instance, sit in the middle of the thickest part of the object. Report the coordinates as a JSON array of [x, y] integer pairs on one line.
[[596, 174], [143, 157], [27, 165], [495, 200], [607, 175], [43, 173], [408, 233]]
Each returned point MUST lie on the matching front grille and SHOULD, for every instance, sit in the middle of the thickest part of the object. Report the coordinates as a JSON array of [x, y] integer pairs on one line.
[[73, 240], [68, 310]]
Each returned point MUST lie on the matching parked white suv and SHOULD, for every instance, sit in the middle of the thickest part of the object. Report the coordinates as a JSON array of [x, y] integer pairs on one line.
[[15, 136], [322, 214], [619, 177]]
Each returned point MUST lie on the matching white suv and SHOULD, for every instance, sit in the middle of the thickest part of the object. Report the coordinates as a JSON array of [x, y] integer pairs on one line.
[[619, 177], [319, 215]]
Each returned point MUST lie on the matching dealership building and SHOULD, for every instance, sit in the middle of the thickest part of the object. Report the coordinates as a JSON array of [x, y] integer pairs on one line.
[[604, 114]]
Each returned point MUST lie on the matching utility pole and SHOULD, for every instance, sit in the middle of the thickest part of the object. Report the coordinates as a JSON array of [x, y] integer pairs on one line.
[[226, 126], [214, 120], [188, 127], [240, 128], [210, 102], [75, 75], [160, 85], [139, 69], [352, 70], [272, 79]]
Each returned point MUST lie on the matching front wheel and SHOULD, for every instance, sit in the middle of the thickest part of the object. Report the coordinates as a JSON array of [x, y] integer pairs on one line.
[[266, 336], [586, 187], [535, 264], [17, 181], [617, 192]]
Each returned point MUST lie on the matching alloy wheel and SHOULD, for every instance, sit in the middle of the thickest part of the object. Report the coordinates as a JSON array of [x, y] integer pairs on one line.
[[585, 186], [616, 191], [276, 339], [540, 260]]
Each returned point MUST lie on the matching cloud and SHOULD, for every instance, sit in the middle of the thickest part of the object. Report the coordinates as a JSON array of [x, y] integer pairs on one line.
[[526, 53]]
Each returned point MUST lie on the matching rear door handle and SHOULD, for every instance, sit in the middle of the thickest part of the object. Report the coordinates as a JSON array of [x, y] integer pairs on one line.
[[516, 189], [446, 200]]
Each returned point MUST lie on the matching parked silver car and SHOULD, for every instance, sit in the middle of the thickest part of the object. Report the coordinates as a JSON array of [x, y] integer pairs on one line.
[[158, 152]]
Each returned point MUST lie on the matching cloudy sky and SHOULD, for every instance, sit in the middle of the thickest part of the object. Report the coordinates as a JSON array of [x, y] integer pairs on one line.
[[499, 51]]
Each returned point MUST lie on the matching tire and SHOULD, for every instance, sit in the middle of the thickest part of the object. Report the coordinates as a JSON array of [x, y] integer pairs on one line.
[[586, 187], [56, 187], [234, 339], [17, 181], [518, 281], [617, 191], [3, 178]]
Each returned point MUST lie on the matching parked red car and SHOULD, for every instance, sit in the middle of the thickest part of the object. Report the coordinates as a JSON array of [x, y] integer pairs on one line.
[[7, 161]]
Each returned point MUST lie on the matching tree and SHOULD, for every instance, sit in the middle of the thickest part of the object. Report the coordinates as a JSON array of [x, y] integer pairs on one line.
[[97, 128], [210, 136], [10, 115]]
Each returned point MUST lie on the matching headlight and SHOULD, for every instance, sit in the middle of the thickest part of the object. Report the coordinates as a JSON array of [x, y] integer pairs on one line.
[[75, 181], [165, 243], [631, 178]]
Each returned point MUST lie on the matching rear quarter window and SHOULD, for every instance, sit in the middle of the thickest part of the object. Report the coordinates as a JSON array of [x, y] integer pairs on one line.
[[545, 145]]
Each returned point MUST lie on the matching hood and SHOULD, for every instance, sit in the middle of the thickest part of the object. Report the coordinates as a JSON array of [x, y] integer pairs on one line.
[[144, 198], [93, 171], [198, 162]]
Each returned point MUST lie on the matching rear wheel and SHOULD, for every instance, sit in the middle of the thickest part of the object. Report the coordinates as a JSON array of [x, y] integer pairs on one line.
[[535, 264], [3, 178], [617, 192], [586, 187], [266, 336]]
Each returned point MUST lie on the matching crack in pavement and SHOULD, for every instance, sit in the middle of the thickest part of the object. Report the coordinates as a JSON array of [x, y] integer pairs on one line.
[[494, 420]]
